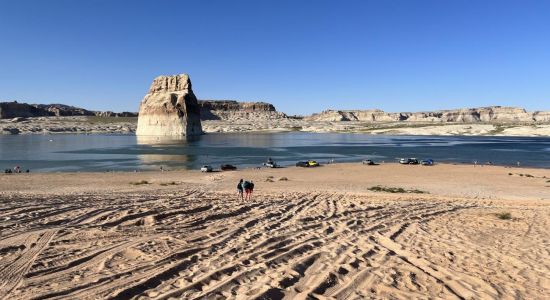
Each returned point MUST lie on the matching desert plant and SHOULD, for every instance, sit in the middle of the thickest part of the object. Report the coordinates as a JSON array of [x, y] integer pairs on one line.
[[283, 179], [168, 183], [140, 182], [504, 216], [379, 188]]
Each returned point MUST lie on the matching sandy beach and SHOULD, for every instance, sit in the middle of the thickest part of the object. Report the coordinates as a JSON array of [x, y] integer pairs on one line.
[[316, 233]]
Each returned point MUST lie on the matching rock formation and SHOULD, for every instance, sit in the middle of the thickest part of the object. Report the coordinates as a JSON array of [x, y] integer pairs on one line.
[[14, 109], [492, 114], [170, 108], [228, 110], [124, 114], [62, 110]]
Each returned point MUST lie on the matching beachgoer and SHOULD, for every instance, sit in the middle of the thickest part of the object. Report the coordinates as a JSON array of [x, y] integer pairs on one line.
[[17, 169], [240, 189], [251, 190], [247, 190], [518, 163]]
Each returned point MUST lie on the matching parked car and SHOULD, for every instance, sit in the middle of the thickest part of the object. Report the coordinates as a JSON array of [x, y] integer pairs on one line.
[[271, 164], [312, 163], [408, 161], [228, 167], [303, 164], [307, 164], [427, 162], [369, 162], [206, 168], [404, 161]]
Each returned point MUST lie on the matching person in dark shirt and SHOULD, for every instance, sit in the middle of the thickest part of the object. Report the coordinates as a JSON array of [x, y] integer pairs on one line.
[[240, 189]]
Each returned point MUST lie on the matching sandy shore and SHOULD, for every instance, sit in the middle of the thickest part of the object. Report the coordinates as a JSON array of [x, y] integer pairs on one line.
[[319, 234]]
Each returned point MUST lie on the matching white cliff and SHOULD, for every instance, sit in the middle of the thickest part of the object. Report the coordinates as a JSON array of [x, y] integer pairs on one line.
[[170, 108]]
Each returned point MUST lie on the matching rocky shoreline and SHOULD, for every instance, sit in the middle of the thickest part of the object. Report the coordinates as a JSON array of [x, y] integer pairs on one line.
[[73, 124], [127, 125]]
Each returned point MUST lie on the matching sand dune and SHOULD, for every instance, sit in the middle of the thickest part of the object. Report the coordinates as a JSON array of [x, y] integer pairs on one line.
[[191, 242]]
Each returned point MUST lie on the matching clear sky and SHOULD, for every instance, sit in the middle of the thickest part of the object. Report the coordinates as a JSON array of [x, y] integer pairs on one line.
[[302, 56]]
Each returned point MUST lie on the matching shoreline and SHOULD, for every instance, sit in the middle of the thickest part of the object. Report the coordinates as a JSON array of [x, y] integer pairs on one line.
[[217, 170], [441, 179], [124, 125]]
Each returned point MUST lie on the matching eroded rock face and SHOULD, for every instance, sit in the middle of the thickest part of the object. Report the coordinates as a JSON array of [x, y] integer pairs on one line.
[[231, 110], [14, 109], [170, 108], [493, 114]]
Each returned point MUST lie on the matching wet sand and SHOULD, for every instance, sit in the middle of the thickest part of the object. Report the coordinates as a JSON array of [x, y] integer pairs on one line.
[[319, 234]]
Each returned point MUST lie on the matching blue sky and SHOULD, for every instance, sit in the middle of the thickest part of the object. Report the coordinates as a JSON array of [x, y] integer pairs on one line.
[[303, 56]]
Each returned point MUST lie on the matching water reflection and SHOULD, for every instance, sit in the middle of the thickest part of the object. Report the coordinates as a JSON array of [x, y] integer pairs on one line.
[[161, 151], [165, 140], [126, 152]]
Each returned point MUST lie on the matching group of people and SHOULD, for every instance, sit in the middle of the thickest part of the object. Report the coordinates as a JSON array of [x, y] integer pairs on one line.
[[16, 169], [245, 189]]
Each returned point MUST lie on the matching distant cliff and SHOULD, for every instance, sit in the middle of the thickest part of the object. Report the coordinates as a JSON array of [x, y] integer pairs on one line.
[[492, 114], [228, 110], [14, 109]]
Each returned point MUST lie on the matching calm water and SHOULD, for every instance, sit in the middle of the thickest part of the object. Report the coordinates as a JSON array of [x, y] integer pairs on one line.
[[52, 153]]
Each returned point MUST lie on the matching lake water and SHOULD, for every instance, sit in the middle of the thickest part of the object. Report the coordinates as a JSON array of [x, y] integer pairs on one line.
[[52, 153]]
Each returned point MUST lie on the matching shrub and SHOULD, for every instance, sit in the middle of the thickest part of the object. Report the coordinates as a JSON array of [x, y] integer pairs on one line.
[[168, 183], [504, 216], [395, 190], [283, 179], [140, 182]]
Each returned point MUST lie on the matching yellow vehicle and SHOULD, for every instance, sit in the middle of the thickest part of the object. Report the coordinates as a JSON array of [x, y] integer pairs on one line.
[[312, 163]]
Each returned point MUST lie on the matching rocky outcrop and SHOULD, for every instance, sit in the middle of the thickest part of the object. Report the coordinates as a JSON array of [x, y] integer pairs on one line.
[[493, 114], [228, 110], [14, 109], [170, 108], [23, 110], [107, 114], [62, 110]]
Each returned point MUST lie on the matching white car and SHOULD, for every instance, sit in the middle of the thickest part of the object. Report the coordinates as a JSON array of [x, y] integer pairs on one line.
[[206, 169], [271, 164]]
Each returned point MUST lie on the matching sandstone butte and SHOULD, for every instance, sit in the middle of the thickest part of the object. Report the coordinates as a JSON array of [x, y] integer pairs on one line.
[[170, 108]]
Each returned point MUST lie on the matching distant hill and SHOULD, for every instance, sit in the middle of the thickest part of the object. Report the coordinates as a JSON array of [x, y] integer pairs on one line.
[[233, 110], [15, 109]]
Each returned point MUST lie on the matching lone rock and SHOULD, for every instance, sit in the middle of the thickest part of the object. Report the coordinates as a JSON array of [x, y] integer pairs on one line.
[[170, 108]]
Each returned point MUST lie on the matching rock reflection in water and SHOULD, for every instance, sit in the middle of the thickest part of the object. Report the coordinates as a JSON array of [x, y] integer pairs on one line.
[[166, 152]]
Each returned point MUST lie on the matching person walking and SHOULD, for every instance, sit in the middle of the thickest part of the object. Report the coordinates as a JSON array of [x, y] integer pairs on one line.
[[247, 190], [251, 190], [240, 189]]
